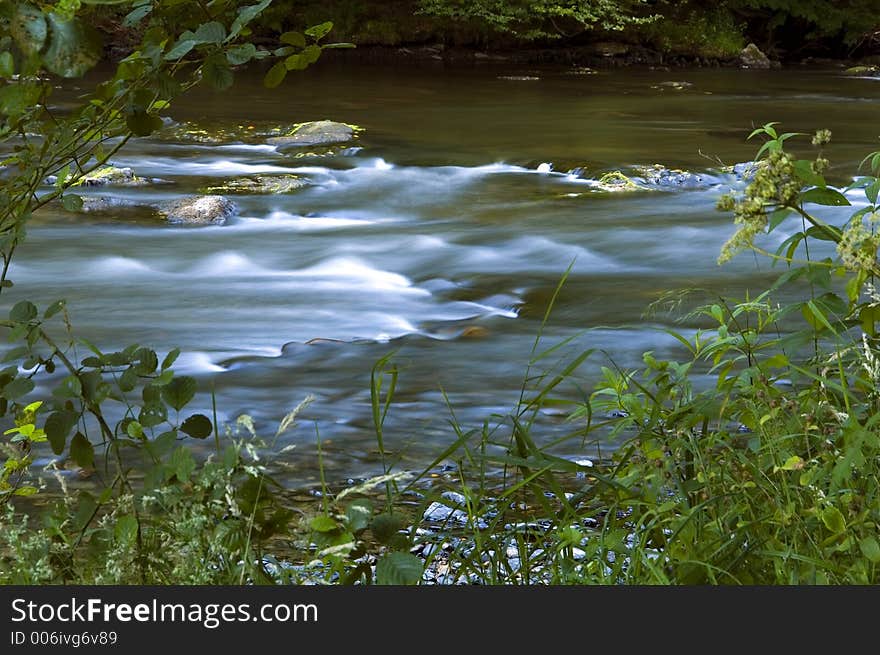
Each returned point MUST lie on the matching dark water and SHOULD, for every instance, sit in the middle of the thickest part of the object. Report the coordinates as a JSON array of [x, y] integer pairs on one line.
[[439, 240]]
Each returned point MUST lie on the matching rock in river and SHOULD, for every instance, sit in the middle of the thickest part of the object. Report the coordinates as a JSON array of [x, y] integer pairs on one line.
[[198, 210], [669, 178], [259, 184], [113, 176], [752, 57], [315, 133]]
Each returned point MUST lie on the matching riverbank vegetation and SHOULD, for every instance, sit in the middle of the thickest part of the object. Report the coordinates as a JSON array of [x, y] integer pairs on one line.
[[754, 458]]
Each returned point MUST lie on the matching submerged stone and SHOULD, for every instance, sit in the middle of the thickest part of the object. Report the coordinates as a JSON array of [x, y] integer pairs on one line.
[[616, 182], [198, 210], [259, 184]]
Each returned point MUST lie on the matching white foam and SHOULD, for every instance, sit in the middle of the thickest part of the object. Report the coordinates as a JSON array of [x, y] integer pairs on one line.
[[115, 266], [545, 168]]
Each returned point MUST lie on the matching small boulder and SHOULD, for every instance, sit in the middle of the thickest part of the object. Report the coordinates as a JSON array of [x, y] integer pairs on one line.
[[198, 210], [113, 176], [315, 133], [667, 178], [752, 57], [863, 71], [259, 185]]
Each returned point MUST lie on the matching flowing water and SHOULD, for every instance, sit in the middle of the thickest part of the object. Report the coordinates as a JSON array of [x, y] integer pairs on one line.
[[442, 239]]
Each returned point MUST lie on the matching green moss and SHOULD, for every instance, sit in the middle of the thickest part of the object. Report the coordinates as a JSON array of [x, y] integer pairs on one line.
[[615, 181]]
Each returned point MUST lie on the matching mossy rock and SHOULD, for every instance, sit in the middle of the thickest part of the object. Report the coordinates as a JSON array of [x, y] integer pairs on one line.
[[259, 185], [617, 182], [752, 57], [113, 176], [316, 133], [863, 71]]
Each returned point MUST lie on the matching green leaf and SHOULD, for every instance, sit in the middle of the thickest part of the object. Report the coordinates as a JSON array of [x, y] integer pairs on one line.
[[179, 391], [318, 32], [869, 315], [27, 490], [385, 526], [74, 47], [198, 426], [58, 425], [245, 16], [359, 514], [216, 72], [140, 123], [170, 358], [870, 549], [16, 99], [295, 39], [152, 415], [399, 569], [241, 54], [825, 196], [134, 430], [776, 218], [213, 32], [28, 28], [137, 15], [54, 308], [180, 49], [23, 312], [833, 520], [323, 524], [183, 463], [296, 62], [81, 451], [126, 529], [803, 168], [17, 388], [147, 361], [311, 54], [275, 76], [72, 202], [7, 65]]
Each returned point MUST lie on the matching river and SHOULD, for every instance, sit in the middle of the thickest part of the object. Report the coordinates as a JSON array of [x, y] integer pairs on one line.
[[442, 239]]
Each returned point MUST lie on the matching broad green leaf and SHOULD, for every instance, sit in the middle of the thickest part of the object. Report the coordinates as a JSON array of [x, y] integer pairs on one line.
[[293, 38], [359, 514], [170, 358], [399, 569], [198, 426], [28, 28], [58, 425], [870, 549], [323, 523], [7, 65], [179, 391], [140, 123], [16, 99], [245, 16], [182, 463], [869, 315], [126, 529], [23, 311], [137, 15], [27, 490], [54, 308], [72, 202], [311, 54], [275, 76], [147, 361], [385, 526], [833, 520], [81, 451], [152, 415], [74, 47], [776, 218], [180, 49], [825, 196], [216, 72], [318, 32], [295, 62], [241, 54], [213, 32], [17, 388], [134, 430]]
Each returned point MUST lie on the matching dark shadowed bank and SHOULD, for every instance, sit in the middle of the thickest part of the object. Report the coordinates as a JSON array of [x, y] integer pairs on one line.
[[579, 32]]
